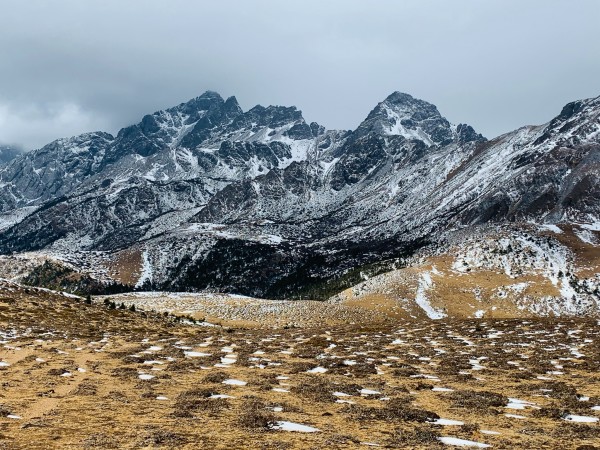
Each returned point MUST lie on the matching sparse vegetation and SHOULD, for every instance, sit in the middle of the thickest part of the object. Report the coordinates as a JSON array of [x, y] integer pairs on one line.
[[175, 385]]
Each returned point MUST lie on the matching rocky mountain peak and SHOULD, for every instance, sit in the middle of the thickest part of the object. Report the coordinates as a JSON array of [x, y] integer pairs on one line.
[[408, 107], [232, 108], [401, 114], [273, 116], [210, 95], [205, 102], [577, 123], [465, 133]]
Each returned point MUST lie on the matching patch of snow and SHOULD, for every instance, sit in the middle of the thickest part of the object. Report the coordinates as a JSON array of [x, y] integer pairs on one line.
[[291, 426], [341, 394], [196, 354], [550, 227], [145, 376], [281, 390], [447, 440], [426, 283], [595, 226], [447, 422], [586, 236], [146, 275], [580, 419], [233, 382], [369, 392], [515, 403], [10, 218]]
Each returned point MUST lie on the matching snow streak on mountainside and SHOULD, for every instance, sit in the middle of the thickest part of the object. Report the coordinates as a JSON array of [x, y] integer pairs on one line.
[[261, 202]]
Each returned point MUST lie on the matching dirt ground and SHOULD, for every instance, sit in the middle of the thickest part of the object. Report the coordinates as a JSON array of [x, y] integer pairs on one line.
[[79, 376]]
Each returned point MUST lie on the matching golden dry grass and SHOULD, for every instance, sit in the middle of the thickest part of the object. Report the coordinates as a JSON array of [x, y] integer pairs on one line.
[[398, 366]]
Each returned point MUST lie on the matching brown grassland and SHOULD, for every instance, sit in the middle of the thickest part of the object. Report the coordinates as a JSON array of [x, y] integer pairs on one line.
[[81, 376]]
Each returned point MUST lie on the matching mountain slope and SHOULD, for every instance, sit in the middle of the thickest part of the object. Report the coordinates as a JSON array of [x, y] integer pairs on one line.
[[207, 196], [525, 270]]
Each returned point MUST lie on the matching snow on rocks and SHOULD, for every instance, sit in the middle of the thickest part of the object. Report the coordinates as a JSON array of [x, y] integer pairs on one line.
[[586, 236]]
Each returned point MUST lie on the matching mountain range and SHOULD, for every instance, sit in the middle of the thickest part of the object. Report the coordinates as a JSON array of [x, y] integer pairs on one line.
[[205, 196]]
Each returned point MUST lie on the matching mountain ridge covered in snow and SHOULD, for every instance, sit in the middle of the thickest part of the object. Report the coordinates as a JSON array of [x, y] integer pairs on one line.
[[206, 196]]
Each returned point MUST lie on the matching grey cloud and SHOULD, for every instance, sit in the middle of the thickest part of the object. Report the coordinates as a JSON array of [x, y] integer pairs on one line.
[[69, 66]]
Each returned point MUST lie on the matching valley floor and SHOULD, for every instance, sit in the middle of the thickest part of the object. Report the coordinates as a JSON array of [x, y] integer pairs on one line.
[[79, 376]]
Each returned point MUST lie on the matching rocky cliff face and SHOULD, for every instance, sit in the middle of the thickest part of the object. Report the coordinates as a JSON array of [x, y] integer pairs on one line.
[[263, 203]]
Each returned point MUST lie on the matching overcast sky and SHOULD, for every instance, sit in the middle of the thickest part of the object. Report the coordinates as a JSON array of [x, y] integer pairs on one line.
[[71, 66]]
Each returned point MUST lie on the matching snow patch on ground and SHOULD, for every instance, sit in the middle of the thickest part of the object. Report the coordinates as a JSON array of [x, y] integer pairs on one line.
[[291, 426], [146, 275], [586, 236], [550, 227], [425, 284], [581, 419], [447, 440]]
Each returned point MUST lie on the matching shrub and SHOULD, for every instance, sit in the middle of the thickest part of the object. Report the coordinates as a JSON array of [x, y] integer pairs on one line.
[[254, 416]]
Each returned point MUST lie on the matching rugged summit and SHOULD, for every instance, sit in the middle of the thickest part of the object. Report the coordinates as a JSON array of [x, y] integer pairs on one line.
[[206, 196]]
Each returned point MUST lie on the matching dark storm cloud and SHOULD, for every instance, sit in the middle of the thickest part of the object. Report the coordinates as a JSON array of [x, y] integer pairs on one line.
[[70, 66]]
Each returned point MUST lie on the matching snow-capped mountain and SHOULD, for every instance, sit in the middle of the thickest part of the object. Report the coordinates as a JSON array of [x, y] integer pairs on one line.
[[206, 196]]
